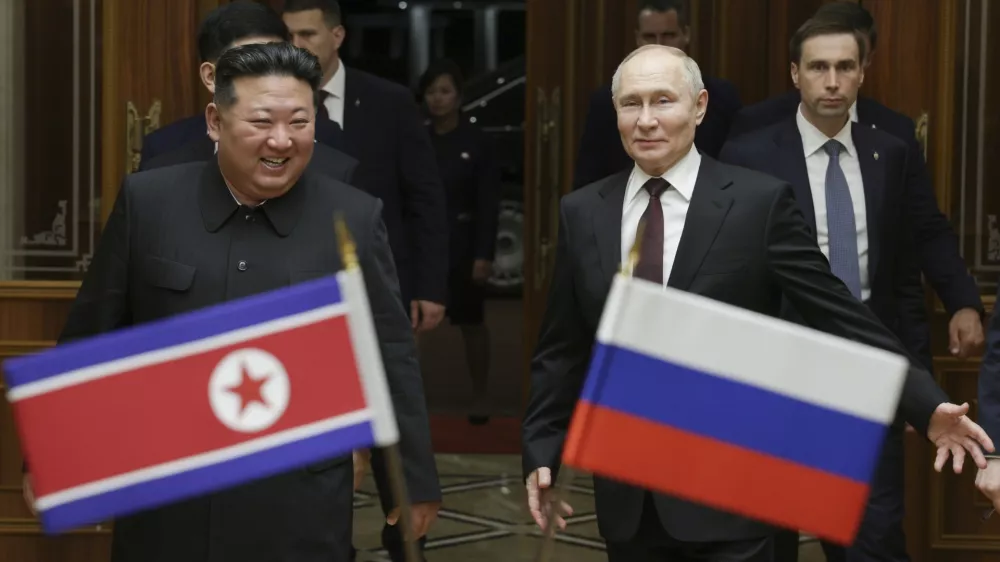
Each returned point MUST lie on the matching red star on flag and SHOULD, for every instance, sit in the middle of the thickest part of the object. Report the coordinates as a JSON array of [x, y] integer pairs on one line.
[[249, 389]]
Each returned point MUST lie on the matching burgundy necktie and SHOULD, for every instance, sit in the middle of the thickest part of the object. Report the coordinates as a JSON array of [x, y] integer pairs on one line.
[[650, 264]]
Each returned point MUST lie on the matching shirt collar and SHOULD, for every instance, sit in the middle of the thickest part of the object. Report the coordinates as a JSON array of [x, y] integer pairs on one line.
[[813, 139], [681, 176], [335, 86], [854, 111]]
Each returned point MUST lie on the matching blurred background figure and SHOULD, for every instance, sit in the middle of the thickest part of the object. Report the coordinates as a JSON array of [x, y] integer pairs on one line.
[[471, 180]]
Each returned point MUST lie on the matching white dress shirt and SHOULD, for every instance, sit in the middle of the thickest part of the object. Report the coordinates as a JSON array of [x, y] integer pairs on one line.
[[816, 163], [335, 101], [674, 201]]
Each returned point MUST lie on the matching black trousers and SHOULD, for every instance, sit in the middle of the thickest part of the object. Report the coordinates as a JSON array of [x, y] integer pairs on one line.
[[652, 543]]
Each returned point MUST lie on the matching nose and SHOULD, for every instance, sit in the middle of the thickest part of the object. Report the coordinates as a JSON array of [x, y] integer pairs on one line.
[[830, 80], [280, 139], [646, 119], [298, 42]]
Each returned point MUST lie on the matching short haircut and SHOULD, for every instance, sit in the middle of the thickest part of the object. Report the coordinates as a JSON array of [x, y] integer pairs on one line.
[[264, 59], [330, 9], [233, 22], [853, 14], [692, 73], [437, 69], [662, 7], [815, 27]]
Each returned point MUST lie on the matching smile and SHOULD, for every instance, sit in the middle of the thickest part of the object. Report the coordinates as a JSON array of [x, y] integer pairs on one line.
[[274, 163]]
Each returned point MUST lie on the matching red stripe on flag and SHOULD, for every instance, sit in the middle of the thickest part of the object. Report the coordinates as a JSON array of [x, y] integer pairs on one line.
[[657, 457], [161, 413]]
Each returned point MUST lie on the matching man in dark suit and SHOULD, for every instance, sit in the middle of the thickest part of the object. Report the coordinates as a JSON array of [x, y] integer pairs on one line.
[[720, 231], [229, 25], [325, 160], [820, 151], [658, 22], [250, 220], [384, 130], [937, 244]]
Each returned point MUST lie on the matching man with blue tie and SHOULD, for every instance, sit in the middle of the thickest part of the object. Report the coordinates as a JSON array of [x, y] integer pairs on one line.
[[852, 184]]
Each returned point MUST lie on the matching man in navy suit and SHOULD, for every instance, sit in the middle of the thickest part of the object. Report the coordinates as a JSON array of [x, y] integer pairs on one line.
[[663, 22], [229, 25], [853, 184], [937, 243], [384, 131]]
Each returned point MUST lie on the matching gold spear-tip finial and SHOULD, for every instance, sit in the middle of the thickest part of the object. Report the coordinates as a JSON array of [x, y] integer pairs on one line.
[[348, 251]]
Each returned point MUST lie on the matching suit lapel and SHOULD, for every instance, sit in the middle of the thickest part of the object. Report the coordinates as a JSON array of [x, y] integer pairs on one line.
[[792, 168], [710, 204], [352, 107], [873, 178], [608, 223]]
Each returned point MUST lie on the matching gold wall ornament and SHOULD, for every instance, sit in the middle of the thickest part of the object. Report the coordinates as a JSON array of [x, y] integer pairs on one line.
[[922, 131], [136, 128]]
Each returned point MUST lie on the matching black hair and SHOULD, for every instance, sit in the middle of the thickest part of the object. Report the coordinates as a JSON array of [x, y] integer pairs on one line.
[[853, 14], [264, 59], [437, 69], [814, 27], [662, 7], [330, 9], [235, 21]]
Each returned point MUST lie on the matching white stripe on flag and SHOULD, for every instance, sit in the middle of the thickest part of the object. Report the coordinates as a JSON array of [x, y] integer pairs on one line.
[[759, 350], [165, 354], [202, 460], [368, 354]]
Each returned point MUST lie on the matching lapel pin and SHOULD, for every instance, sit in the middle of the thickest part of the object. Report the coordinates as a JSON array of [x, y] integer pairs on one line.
[[873, 126], [465, 156], [876, 155], [357, 102]]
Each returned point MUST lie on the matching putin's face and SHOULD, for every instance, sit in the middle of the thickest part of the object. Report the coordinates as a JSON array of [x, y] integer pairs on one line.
[[658, 111]]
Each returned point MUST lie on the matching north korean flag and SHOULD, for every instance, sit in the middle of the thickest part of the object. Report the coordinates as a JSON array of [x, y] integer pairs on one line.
[[164, 411]]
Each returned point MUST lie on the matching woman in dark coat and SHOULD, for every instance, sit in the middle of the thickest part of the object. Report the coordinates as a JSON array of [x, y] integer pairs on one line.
[[472, 181]]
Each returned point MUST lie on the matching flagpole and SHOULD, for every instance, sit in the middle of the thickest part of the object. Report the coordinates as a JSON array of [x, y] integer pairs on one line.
[[567, 474], [393, 458]]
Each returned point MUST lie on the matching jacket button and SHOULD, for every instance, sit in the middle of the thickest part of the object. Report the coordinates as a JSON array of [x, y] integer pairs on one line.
[[242, 266]]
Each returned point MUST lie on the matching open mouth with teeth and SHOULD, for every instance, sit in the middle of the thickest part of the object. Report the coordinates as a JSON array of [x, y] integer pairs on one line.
[[273, 163]]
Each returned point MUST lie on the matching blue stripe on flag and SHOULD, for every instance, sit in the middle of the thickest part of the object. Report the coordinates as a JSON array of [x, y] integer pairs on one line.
[[177, 330], [185, 485], [734, 412]]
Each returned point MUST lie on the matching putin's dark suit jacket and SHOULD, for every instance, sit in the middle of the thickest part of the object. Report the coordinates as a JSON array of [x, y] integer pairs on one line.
[[325, 160], [601, 153], [745, 243], [173, 244], [935, 241]]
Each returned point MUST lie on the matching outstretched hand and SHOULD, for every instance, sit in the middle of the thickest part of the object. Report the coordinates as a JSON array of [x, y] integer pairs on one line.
[[954, 433]]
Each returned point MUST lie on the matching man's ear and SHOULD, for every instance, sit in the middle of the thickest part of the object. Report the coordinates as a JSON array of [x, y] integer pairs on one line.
[[339, 33], [213, 117], [795, 74], [701, 106], [207, 72]]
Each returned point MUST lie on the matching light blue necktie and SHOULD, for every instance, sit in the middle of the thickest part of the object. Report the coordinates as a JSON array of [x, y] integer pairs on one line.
[[843, 232]]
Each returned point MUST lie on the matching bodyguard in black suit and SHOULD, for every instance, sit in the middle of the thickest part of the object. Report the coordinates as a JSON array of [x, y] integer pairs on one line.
[[827, 69], [384, 130], [934, 239], [251, 220], [325, 160], [988, 480], [662, 22], [720, 231], [229, 25]]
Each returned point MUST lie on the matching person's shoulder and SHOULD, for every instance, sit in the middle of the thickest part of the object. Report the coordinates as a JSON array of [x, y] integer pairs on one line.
[[717, 85], [774, 106], [326, 191], [588, 195], [323, 153], [180, 128], [741, 182], [885, 118], [163, 187]]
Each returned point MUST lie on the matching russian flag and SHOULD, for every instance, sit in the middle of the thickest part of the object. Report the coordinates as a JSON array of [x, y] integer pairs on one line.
[[733, 409], [195, 403]]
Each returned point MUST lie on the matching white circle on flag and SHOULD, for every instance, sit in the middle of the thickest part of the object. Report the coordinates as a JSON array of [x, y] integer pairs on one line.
[[249, 390]]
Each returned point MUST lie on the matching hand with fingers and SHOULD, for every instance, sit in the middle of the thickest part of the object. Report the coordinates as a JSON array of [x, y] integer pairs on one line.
[[539, 485], [954, 434]]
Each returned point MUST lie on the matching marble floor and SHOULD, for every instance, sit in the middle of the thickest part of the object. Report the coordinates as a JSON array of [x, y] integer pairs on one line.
[[484, 518]]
